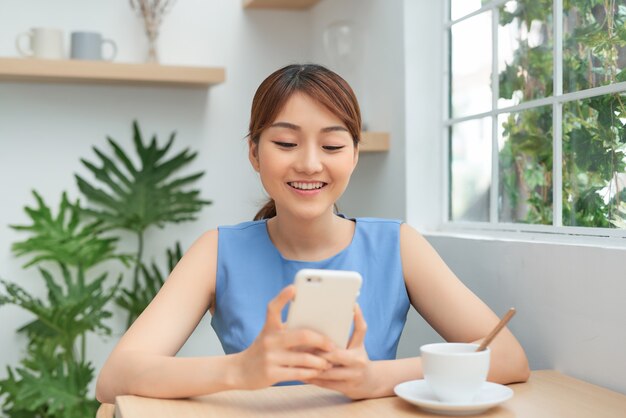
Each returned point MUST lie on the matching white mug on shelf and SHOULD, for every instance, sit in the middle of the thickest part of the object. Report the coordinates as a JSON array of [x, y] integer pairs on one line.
[[43, 43]]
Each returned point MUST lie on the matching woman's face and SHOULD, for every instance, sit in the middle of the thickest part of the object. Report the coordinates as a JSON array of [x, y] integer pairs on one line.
[[305, 158]]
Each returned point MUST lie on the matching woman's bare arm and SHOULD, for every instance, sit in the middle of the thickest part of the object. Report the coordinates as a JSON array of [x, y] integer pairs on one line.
[[143, 361], [453, 310]]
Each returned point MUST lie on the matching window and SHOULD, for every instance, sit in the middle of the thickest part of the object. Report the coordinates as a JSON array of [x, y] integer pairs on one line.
[[536, 115]]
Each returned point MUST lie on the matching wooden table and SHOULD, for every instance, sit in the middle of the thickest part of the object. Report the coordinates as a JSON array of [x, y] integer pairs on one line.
[[546, 394]]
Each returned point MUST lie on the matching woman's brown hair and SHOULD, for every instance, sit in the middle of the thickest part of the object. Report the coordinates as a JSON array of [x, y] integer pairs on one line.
[[317, 82]]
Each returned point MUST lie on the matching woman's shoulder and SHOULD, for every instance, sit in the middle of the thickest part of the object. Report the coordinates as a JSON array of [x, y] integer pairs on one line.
[[412, 241], [206, 241]]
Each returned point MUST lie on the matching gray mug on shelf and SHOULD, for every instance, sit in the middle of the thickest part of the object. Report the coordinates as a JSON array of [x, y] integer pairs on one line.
[[89, 45]]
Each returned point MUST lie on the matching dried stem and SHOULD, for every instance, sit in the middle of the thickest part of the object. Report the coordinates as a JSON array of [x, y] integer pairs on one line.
[[152, 12]]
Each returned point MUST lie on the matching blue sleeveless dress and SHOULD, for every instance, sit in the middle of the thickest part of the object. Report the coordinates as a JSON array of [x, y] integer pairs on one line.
[[251, 272]]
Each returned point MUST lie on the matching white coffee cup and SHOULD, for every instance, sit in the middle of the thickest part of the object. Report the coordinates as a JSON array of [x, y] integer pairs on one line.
[[455, 372], [43, 43]]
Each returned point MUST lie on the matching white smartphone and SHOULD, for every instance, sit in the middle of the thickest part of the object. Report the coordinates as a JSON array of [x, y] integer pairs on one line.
[[324, 302]]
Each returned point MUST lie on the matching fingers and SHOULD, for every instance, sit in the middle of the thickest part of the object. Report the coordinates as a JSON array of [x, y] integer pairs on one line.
[[337, 374], [303, 360], [276, 305], [360, 328], [295, 341], [346, 358], [295, 373], [307, 339]]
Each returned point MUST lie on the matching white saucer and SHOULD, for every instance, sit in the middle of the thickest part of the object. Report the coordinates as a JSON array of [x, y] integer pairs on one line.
[[418, 393]]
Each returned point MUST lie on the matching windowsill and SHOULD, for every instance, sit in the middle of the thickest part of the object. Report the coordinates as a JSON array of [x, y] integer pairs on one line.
[[528, 237]]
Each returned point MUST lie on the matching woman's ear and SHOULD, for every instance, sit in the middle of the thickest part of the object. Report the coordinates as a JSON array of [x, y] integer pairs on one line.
[[253, 154]]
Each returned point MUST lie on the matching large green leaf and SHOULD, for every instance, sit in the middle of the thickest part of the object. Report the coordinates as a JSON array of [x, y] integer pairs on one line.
[[134, 197], [48, 384], [65, 238], [72, 309]]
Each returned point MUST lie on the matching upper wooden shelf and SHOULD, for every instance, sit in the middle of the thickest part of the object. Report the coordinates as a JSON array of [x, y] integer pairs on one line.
[[102, 72], [374, 141], [279, 4]]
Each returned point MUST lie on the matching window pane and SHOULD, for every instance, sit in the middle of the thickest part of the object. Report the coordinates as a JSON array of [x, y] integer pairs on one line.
[[471, 65], [525, 166], [594, 40], [460, 8], [471, 170], [525, 51], [594, 166]]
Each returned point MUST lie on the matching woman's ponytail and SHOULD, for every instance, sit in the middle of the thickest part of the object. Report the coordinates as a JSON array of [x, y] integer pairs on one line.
[[267, 211]]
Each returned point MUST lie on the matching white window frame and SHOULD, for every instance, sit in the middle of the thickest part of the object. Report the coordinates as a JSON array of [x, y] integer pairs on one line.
[[610, 237]]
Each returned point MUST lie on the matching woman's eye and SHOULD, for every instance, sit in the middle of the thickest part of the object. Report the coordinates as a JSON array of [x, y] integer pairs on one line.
[[333, 147], [284, 144]]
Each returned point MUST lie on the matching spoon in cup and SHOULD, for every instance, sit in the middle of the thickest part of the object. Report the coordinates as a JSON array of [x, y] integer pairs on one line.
[[505, 319]]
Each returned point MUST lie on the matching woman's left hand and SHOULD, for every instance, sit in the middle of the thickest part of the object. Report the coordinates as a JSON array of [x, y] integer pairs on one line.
[[352, 372]]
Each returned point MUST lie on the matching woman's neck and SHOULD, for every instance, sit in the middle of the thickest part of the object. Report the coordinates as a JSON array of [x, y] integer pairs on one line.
[[310, 240]]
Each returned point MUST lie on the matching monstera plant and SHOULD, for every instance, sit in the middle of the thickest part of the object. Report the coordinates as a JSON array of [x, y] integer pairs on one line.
[[134, 198], [52, 378]]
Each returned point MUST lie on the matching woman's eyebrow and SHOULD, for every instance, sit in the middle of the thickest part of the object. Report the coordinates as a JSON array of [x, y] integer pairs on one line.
[[285, 125], [334, 128], [297, 128]]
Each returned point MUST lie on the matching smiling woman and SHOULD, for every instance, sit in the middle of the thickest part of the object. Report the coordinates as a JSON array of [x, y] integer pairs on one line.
[[304, 143], [305, 158], [284, 104]]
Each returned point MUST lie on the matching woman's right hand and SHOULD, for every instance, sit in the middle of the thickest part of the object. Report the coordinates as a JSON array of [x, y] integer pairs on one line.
[[279, 354]]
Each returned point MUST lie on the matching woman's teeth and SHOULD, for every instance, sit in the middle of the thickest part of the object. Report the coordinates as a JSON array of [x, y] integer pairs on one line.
[[306, 186]]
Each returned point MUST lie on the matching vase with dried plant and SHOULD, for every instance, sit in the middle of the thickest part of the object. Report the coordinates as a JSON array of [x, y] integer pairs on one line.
[[152, 12]]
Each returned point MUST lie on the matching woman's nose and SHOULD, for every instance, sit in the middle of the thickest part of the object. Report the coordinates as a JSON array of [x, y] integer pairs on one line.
[[309, 161]]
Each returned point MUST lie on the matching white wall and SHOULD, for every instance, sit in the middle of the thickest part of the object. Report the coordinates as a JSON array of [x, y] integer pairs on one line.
[[570, 298], [377, 75], [570, 301]]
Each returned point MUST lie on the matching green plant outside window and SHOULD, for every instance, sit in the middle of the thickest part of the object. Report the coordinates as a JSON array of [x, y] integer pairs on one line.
[[584, 96]]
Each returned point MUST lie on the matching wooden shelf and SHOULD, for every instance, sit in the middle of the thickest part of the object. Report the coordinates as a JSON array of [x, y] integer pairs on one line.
[[279, 4], [374, 141], [102, 72]]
